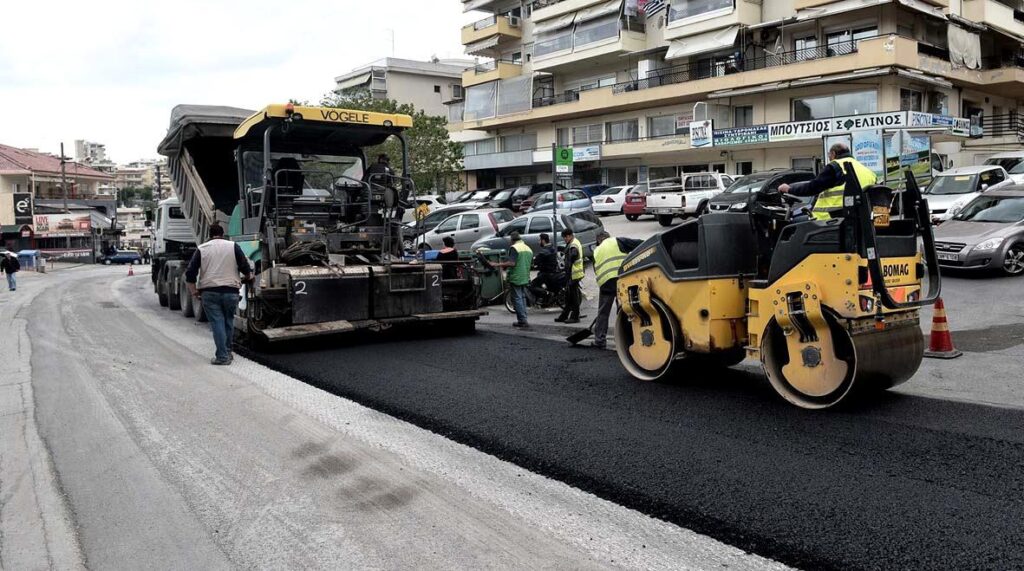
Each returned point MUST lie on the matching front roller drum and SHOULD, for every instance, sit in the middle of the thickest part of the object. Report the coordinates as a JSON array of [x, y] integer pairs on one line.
[[648, 347]]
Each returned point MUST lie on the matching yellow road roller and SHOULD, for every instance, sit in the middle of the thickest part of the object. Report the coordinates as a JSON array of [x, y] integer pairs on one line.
[[829, 307]]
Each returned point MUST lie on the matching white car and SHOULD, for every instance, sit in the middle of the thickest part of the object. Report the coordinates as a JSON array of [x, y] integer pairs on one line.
[[686, 195], [611, 200], [951, 190], [433, 202], [1012, 161]]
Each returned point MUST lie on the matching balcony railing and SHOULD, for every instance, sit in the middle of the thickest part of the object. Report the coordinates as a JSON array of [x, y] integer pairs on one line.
[[492, 65], [483, 23], [1008, 125]]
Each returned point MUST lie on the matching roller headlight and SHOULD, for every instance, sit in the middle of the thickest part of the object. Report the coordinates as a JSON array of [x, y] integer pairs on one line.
[[989, 245]]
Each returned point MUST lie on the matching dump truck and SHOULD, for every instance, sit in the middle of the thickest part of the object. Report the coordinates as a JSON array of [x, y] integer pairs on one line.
[[293, 187]]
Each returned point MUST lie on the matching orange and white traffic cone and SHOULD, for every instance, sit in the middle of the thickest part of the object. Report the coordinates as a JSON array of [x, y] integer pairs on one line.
[[941, 344], [131, 270]]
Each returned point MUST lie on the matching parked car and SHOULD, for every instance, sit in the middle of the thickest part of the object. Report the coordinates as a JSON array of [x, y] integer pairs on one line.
[[686, 195], [567, 199], [503, 199], [737, 196], [636, 201], [122, 257], [468, 227], [410, 231], [592, 190], [951, 190], [585, 224], [612, 200], [433, 202], [1012, 162], [480, 198], [988, 233], [525, 192]]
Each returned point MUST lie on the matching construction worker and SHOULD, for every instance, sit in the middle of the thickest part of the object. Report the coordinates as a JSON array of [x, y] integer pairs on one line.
[[573, 261], [608, 257], [520, 259], [449, 256], [830, 183], [212, 276]]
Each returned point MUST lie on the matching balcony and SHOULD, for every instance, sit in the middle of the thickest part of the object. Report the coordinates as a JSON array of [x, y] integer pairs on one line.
[[996, 15], [743, 13], [482, 5], [805, 4], [499, 27], [491, 71], [691, 82], [506, 159]]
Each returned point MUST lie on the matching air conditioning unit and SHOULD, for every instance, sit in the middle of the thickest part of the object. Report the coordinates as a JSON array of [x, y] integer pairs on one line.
[[513, 21]]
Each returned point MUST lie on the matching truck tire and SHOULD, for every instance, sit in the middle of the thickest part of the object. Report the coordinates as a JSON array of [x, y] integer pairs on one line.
[[173, 299], [187, 305], [161, 290], [198, 312], [665, 219]]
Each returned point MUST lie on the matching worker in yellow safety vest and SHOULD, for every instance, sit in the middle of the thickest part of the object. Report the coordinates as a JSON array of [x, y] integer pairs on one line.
[[608, 257], [830, 183], [573, 261]]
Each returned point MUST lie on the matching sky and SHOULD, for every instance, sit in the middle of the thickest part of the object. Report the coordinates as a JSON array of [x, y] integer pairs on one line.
[[110, 71]]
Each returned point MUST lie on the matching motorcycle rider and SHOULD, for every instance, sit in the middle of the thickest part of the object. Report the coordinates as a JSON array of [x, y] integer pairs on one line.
[[550, 278]]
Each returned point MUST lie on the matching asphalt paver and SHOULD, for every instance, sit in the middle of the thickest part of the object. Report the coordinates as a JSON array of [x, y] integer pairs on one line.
[[893, 481]]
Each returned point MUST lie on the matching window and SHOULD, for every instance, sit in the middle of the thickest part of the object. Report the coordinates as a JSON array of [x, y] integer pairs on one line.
[[806, 47], [938, 103], [682, 9], [700, 182], [664, 126], [449, 225], [503, 216], [516, 57], [562, 137], [596, 31], [552, 43], [540, 224], [806, 164], [587, 134], [437, 89], [470, 221], [744, 168], [910, 100], [839, 105], [481, 147], [511, 143], [628, 130], [843, 42], [457, 92], [517, 226], [991, 178], [743, 116]]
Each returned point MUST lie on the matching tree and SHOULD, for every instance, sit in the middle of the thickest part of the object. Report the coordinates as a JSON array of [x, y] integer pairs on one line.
[[134, 196], [434, 159]]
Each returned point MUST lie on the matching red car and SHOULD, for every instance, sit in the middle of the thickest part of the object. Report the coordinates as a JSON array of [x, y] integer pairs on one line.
[[636, 202]]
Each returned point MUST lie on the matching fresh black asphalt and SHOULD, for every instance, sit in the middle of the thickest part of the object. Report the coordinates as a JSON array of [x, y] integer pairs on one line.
[[897, 482]]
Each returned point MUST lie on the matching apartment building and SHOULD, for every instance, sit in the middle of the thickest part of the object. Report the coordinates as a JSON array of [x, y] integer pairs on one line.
[[426, 85], [622, 81]]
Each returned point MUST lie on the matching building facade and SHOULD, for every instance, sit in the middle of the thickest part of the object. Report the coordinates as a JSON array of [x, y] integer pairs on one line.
[[426, 85], [623, 81]]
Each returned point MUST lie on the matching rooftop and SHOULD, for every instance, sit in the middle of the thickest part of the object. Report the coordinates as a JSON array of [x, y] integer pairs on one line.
[[15, 160], [442, 67]]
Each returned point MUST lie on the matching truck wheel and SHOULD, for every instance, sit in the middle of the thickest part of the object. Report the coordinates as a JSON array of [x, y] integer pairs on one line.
[[173, 300], [161, 291], [187, 305], [665, 219]]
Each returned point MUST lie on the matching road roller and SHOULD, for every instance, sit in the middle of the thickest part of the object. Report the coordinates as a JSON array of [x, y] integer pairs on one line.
[[829, 307]]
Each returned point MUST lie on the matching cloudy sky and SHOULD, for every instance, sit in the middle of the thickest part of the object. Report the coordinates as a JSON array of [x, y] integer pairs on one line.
[[110, 70]]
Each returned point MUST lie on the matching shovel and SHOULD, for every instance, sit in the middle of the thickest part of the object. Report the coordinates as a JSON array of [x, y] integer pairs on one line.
[[582, 334]]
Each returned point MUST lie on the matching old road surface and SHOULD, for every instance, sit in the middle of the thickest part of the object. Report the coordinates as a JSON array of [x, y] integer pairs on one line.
[[123, 448]]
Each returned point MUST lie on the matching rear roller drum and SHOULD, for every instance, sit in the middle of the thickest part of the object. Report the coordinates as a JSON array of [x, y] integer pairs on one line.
[[648, 351], [818, 375]]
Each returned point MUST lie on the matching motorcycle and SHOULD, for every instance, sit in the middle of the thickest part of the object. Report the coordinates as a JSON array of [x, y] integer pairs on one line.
[[537, 297]]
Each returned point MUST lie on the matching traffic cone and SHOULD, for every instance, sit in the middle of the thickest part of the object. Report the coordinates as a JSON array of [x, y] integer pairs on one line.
[[941, 344], [131, 270]]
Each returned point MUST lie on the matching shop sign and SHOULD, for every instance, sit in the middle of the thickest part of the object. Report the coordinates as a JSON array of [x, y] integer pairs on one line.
[[799, 130], [585, 154], [741, 135], [49, 225], [22, 208], [683, 121], [702, 134]]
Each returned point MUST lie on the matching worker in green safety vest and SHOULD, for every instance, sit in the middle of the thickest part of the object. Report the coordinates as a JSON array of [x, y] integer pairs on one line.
[[830, 183], [520, 260], [573, 261], [608, 257]]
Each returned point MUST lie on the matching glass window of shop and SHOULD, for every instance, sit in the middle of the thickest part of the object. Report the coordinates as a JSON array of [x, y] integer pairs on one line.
[[682, 9], [838, 105], [911, 100], [656, 173], [618, 131], [621, 177], [664, 126], [587, 134]]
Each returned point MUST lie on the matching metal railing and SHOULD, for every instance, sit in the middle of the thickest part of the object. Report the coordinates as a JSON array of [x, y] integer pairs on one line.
[[1007, 125], [493, 65], [482, 23]]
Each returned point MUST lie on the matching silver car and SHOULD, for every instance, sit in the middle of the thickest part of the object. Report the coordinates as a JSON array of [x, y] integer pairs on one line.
[[467, 227], [987, 234], [585, 225], [573, 199]]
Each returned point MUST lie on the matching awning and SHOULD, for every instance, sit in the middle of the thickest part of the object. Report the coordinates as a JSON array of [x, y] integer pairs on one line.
[[602, 9], [563, 21], [703, 43], [917, 76], [474, 5], [920, 6], [483, 45], [356, 81], [836, 8]]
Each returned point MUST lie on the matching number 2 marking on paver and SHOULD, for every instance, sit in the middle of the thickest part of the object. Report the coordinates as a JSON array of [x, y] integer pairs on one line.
[[300, 288], [435, 281]]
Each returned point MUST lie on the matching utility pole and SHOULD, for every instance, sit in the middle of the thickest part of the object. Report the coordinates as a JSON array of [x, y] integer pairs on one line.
[[159, 186], [63, 177]]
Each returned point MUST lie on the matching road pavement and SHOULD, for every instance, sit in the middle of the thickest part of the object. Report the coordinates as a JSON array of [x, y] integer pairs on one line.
[[124, 448]]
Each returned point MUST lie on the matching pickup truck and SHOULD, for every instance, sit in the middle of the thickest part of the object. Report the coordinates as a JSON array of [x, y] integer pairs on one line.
[[682, 196]]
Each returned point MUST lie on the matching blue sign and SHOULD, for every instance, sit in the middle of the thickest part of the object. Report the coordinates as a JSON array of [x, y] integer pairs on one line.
[[741, 135]]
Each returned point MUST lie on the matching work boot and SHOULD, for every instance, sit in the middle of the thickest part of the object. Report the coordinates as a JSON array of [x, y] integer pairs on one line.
[[518, 325], [216, 361], [597, 345]]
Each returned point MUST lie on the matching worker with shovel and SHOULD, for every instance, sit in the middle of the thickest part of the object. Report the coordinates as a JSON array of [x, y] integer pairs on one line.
[[608, 257]]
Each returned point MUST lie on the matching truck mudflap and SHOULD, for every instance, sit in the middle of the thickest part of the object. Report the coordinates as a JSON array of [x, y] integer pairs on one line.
[[308, 330]]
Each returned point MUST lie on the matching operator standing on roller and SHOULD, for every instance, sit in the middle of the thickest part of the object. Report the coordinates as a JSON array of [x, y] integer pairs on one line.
[[608, 257], [573, 261], [830, 183]]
